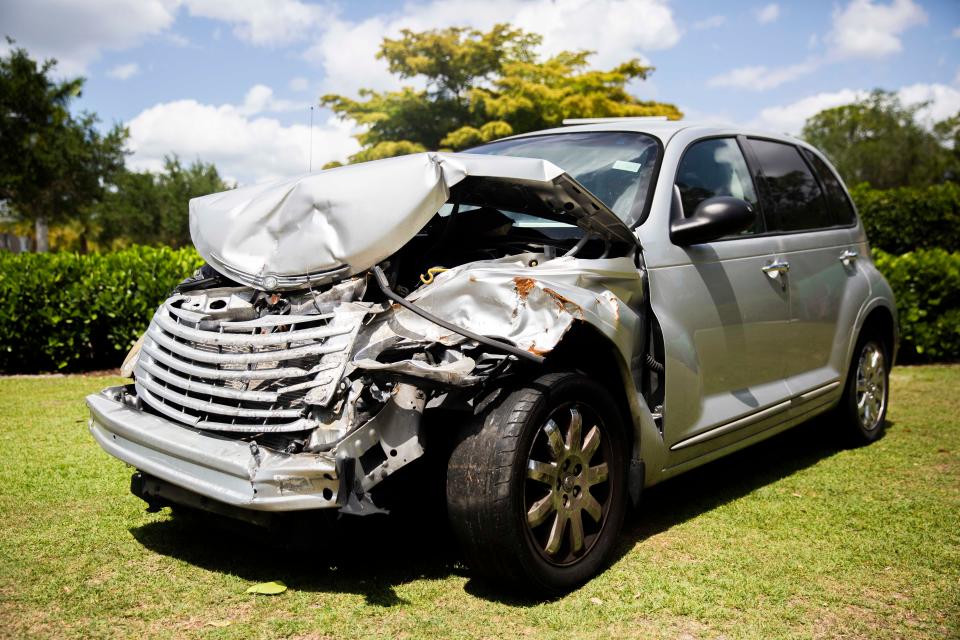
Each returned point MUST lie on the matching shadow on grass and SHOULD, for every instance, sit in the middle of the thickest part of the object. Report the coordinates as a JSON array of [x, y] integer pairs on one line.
[[371, 556]]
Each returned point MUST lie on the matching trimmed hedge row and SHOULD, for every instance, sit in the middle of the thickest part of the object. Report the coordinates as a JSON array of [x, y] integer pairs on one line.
[[926, 284], [909, 218], [69, 312]]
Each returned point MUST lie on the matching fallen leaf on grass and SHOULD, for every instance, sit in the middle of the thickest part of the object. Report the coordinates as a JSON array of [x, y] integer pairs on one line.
[[219, 623], [268, 588], [596, 600]]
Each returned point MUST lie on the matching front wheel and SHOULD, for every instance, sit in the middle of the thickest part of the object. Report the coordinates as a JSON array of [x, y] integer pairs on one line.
[[536, 492]]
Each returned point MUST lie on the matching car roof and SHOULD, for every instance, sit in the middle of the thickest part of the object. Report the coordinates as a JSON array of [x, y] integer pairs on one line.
[[664, 130]]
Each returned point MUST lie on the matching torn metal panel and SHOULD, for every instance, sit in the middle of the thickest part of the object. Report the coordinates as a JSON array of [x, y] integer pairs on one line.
[[322, 227], [530, 301]]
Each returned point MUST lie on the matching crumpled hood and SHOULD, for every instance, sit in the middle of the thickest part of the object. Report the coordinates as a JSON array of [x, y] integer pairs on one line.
[[320, 227]]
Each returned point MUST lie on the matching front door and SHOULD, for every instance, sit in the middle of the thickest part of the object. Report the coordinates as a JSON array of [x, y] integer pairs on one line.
[[723, 312]]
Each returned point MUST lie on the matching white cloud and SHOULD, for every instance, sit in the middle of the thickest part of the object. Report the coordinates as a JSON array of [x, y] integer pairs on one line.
[[124, 71], [273, 23], [761, 78], [789, 118], [76, 33], [710, 23], [299, 84], [260, 99], [868, 29], [627, 28], [944, 102], [768, 13], [956, 32], [244, 148]]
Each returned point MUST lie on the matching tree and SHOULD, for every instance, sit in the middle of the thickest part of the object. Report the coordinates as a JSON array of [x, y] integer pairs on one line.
[[53, 166], [880, 141], [484, 85], [149, 208]]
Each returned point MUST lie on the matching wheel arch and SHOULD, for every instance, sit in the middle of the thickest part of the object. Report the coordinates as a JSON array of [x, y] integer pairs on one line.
[[880, 321], [587, 349]]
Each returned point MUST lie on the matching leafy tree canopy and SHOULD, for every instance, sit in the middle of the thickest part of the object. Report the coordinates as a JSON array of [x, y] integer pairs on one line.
[[879, 140], [479, 86], [53, 165], [153, 208]]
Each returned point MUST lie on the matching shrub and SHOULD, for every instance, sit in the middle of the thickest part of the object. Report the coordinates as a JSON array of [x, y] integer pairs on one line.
[[69, 312], [908, 218], [926, 284]]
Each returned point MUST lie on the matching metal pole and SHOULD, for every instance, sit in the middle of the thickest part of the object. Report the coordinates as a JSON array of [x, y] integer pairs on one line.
[[311, 138]]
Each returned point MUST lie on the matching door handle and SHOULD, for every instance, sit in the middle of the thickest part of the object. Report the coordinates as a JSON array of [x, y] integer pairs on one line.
[[848, 257], [775, 268]]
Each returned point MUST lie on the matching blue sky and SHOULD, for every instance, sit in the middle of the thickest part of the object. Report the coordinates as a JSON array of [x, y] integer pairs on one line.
[[231, 81]]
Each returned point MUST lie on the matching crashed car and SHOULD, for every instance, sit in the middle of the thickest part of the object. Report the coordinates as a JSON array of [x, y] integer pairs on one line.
[[588, 311]]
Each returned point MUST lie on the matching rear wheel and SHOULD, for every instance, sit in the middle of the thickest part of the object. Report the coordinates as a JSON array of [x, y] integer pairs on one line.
[[537, 492], [864, 404]]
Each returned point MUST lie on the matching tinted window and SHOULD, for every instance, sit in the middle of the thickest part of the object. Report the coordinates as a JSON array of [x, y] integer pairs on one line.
[[715, 168], [795, 196], [614, 166], [837, 198]]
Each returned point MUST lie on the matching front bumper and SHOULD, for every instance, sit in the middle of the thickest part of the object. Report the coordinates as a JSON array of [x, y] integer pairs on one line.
[[228, 471]]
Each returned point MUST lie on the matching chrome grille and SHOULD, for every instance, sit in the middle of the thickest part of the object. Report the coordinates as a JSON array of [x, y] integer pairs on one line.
[[249, 376]]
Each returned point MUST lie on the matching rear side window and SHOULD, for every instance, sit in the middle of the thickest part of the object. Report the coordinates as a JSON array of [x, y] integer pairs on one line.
[[795, 196], [715, 168], [837, 198]]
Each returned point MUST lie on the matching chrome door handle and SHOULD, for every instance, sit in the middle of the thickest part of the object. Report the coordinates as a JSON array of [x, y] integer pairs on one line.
[[848, 257], [775, 268]]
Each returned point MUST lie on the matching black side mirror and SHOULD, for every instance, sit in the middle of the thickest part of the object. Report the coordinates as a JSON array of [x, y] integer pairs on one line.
[[714, 218]]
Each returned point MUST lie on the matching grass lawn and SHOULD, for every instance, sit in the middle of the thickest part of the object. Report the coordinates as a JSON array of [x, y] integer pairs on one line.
[[790, 538]]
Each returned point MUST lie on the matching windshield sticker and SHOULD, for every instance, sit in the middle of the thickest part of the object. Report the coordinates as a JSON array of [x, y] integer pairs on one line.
[[623, 165]]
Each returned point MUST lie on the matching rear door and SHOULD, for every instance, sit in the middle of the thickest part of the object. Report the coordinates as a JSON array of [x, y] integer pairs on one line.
[[814, 217]]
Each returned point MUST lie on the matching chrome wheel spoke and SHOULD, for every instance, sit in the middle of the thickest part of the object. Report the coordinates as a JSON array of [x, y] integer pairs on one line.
[[595, 475], [576, 531], [554, 439], [591, 506], [541, 472], [573, 431], [590, 444], [541, 509], [555, 539]]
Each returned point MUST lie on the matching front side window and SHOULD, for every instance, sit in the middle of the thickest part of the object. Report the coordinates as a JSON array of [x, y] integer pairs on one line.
[[795, 197], [837, 198], [713, 168], [615, 166]]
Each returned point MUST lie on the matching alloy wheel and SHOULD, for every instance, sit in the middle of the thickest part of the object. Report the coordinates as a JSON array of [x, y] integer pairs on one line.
[[567, 492], [871, 386]]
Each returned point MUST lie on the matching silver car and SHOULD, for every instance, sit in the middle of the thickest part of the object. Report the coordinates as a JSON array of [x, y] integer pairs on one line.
[[581, 312]]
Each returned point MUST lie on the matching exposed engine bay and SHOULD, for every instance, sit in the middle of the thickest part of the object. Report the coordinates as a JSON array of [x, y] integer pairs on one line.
[[325, 379]]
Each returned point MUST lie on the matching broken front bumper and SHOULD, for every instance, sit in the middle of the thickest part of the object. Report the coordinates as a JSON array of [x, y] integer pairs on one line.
[[228, 471]]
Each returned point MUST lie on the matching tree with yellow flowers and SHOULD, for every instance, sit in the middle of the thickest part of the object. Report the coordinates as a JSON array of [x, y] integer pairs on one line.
[[479, 86]]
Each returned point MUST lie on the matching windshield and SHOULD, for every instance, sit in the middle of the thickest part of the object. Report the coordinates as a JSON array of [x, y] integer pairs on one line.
[[615, 166]]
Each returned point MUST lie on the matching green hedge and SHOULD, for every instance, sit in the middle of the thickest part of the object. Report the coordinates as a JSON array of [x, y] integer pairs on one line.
[[69, 312], [926, 284], [909, 218]]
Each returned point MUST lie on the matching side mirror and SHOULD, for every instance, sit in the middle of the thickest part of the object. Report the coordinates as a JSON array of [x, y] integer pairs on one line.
[[714, 218]]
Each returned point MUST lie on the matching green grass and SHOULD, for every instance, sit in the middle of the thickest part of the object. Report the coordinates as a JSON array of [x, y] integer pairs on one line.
[[791, 538]]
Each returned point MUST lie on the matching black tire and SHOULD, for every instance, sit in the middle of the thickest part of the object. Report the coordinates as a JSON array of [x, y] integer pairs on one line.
[[506, 496], [863, 407]]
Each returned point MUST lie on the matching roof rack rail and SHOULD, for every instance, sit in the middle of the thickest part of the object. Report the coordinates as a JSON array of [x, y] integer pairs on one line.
[[569, 121]]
